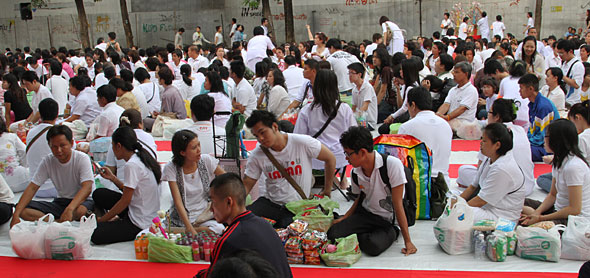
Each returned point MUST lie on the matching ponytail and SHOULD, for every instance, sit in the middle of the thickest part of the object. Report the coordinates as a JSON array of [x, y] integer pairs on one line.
[[127, 138], [557, 72], [185, 71]]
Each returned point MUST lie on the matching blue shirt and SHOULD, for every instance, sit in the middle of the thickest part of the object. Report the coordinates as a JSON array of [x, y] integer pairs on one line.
[[541, 113]]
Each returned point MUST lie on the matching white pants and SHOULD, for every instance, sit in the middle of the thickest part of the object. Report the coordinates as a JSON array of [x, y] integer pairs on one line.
[[467, 175], [482, 214], [469, 130]]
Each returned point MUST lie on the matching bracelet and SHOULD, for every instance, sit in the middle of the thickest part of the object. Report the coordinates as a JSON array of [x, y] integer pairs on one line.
[[448, 118]]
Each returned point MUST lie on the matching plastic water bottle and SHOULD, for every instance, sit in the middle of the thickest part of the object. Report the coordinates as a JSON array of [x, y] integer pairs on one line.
[[480, 246]]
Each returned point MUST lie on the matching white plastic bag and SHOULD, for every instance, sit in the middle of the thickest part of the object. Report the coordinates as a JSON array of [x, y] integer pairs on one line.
[[539, 244], [27, 237], [453, 229], [575, 241], [64, 241]]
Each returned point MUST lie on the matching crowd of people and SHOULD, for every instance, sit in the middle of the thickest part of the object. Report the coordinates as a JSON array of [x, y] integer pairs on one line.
[[513, 95]]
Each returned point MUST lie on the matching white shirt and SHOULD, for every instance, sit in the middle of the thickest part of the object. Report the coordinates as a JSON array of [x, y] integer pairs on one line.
[[185, 90], [446, 23], [370, 48], [194, 189], [219, 38], [557, 97], [224, 62], [530, 24], [296, 157], [293, 80], [6, 194], [483, 27], [222, 104], [397, 42], [59, 89], [151, 91], [38, 96], [257, 47], [108, 120], [583, 143], [278, 100], [303, 95], [509, 89], [141, 101], [102, 46], [324, 53], [466, 96], [100, 80], [540, 49], [199, 62], [142, 136], [311, 119], [66, 177], [436, 133], [377, 194], [176, 69], [38, 70], [573, 172], [38, 151], [245, 95], [145, 201], [502, 187], [204, 130], [86, 106], [498, 28], [404, 94], [340, 61], [577, 74], [486, 54], [552, 61], [366, 93], [463, 31]]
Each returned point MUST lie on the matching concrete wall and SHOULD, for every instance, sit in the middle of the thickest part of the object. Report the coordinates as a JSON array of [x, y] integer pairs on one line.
[[154, 22]]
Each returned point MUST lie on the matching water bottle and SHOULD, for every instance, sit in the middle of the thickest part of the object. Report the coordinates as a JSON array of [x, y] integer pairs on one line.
[[480, 246]]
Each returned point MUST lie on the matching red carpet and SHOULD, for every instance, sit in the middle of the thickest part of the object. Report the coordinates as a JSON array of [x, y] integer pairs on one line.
[[15, 267]]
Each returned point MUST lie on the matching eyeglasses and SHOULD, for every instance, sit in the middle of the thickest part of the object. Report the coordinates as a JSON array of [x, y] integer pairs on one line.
[[349, 154]]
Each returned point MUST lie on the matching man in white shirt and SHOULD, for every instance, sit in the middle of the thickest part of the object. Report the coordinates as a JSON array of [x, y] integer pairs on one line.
[[483, 25], [108, 120], [393, 34], [553, 59], [463, 29], [445, 24], [31, 82], [364, 99], [430, 129], [244, 98], [530, 24], [294, 152], [86, 106], [293, 77], [498, 27], [264, 24], [573, 71], [196, 60], [176, 63], [460, 105], [71, 173], [234, 26], [57, 85], [257, 47], [377, 39], [33, 65], [340, 61], [202, 108], [305, 95]]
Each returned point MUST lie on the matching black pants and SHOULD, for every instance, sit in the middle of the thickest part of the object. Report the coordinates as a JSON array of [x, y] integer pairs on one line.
[[374, 233], [384, 109], [113, 231], [5, 212], [585, 270], [264, 207]]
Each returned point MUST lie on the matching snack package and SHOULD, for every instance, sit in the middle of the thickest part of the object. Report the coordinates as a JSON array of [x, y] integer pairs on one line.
[[497, 246], [283, 234], [293, 243], [272, 222], [505, 225], [484, 225], [297, 228], [539, 244], [512, 240], [544, 225], [313, 240]]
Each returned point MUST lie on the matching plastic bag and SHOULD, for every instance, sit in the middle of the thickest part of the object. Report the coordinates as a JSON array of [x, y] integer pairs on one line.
[[64, 241], [575, 241], [539, 244], [316, 219], [27, 237], [497, 247], [347, 252], [453, 229], [326, 203], [161, 250]]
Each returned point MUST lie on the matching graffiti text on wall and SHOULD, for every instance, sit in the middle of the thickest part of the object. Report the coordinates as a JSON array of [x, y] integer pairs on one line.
[[7, 27], [153, 28], [360, 2], [102, 24]]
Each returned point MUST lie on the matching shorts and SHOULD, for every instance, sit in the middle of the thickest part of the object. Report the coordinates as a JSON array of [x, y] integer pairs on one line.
[[57, 206]]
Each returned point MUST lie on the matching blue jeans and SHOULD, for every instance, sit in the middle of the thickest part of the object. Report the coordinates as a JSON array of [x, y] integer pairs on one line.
[[544, 182], [537, 153]]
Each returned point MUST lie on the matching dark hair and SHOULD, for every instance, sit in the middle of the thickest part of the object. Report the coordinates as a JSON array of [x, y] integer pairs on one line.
[[383, 19], [518, 68], [490, 81], [566, 45], [30, 76], [334, 43], [203, 107], [163, 54], [279, 78], [55, 66], [376, 37], [258, 31], [410, 70], [185, 71], [134, 55], [290, 60], [357, 138], [582, 109], [465, 19], [109, 72], [118, 83], [557, 72], [180, 141], [215, 81], [59, 130], [230, 184], [325, 91], [128, 140], [108, 92], [265, 117], [261, 69], [141, 74], [505, 109], [493, 65], [384, 57], [524, 56], [3, 127], [131, 118], [78, 82], [238, 68], [126, 75], [152, 63], [421, 97], [498, 132], [358, 68], [529, 79], [166, 74], [530, 14], [14, 87], [447, 61], [563, 141]]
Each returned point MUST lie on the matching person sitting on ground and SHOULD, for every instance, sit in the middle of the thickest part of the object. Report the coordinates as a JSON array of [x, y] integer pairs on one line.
[[86, 106], [6, 204], [541, 113], [570, 185], [15, 100], [371, 216], [13, 163], [150, 90], [127, 76], [140, 200], [37, 149], [294, 150], [244, 98], [364, 99], [430, 129], [245, 230], [108, 120], [187, 85], [172, 103], [406, 79], [554, 90], [71, 173], [31, 83], [277, 99], [214, 85], [189, 175], [245, 264], [57, 84], [500, 181], [125, 97], [305, 95], [203, 107], [489, 88], [461, 104]]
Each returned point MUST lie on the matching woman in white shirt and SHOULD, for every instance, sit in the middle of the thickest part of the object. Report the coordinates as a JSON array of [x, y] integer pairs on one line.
[[437, 49], [311, 118], [319, 51], [150, 89], [277, 99], [535, 62], [187, 86], [554, 89], [570, 185], [445, 24], [13, 166], [463, 29], [189, 175], [216, 90], [499, 178], [407, 78], [220, 56], [140, 201]]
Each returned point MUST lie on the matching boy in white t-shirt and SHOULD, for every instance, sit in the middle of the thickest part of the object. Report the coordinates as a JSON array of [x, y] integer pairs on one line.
[[364, 98], [294, 152], [373, 214], [71, 173]]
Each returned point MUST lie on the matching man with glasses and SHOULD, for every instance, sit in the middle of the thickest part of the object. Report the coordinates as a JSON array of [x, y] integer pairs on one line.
[[372, 216]]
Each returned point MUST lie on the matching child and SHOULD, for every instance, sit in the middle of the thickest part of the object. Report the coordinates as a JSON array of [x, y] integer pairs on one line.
[[490, 91]]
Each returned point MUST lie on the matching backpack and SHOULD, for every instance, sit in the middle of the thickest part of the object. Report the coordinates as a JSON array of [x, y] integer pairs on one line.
[[416, 156], [409, 200]]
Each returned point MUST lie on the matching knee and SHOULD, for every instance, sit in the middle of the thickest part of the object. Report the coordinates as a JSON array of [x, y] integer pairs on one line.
[[80, 211], [371, 247], [30, 214]]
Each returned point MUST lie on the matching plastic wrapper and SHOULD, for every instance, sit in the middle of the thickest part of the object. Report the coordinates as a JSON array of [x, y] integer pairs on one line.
[[64, 241], [539, 244], [312, 260], [161, 250], [505, 225], [575, 241], [544, 225], [453, 229], [316, 219], [295, 260], [497, 247], [484, 225], [511, 242], [297, 228], [27, 237], [347, 254], [272, 222], [313, 240]]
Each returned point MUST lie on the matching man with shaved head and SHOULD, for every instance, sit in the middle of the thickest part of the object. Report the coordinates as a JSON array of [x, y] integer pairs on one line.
[[245, 231]]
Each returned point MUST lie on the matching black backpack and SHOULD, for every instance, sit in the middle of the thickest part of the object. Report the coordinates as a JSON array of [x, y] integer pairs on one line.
[[409, 200]]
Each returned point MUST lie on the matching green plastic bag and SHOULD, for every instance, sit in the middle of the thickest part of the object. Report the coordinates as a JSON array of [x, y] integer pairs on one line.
[[393, 128], [347, 253], [160, 250], [316, 219], [296, 207]]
